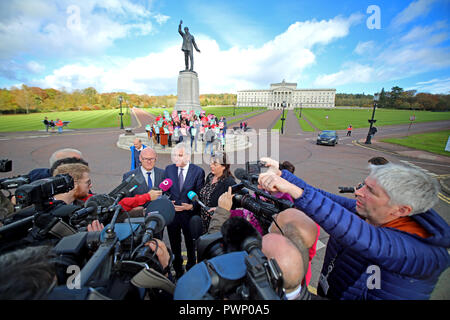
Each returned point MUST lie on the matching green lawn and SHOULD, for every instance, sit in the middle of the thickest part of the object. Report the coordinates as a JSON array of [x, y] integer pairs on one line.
[[434, 142], [339, 119], [304, 125], [218, 111], [79, 120]]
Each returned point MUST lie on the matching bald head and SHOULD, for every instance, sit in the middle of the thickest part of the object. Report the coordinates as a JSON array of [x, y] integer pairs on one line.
[[275, 246], [148, 158], [64, 153], [306, 227]]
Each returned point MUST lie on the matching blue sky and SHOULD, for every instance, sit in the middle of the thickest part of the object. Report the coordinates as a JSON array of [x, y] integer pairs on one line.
[[133, 46]]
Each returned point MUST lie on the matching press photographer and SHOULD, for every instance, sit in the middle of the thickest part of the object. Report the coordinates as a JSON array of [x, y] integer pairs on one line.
[[391, 216]]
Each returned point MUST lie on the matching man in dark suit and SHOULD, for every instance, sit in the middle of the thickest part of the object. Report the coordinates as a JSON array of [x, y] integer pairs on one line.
[[186, 177], [147, 171]]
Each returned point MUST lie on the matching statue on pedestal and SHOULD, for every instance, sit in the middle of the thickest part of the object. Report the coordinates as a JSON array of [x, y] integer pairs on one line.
[[187, 47]]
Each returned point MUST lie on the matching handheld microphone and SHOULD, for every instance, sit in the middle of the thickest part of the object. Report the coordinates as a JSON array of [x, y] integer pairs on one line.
[[166, 185], [194, 197]]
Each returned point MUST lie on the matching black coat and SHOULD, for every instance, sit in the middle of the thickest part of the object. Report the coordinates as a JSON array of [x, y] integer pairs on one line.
[[221, 187]]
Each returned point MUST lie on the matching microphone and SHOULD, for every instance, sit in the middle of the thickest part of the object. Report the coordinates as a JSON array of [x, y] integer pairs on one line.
[[166, 185], [159, 214], [194, 197], [240, 235], [196, 227], [125, 186]]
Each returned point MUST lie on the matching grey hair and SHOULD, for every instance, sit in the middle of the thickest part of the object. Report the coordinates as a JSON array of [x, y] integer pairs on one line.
[[185, 146], [57, 154], [407, 186]]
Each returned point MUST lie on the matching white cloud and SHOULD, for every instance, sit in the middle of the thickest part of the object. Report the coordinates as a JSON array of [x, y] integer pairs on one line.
[[285, 56], [351, 73], [35, 67], [433, 86], [364, 47], [70, 27], [415, 9]]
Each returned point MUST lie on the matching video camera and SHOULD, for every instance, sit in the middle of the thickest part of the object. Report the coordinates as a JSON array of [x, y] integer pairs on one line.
[[262, 204], [41, 192], [5, 165], [232, 267], [121, 261]]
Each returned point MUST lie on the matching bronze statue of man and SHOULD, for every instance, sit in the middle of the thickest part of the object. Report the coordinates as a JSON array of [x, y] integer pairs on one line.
[[187, 48]]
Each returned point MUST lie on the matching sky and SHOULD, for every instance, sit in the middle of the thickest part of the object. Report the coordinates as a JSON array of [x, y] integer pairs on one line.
[[134, 46]]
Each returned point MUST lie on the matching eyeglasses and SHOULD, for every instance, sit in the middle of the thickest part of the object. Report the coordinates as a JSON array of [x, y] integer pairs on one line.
[[148, 159]]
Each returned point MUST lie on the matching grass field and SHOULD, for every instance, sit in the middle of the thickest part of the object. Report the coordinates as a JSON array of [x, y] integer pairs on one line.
[[339, 119], [79, 120], [304, 125], [434, 142]]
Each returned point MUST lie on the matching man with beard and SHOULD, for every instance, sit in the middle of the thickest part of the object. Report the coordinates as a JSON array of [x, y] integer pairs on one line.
[[81, 181]]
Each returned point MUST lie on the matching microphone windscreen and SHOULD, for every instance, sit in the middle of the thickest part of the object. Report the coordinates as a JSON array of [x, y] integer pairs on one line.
[[166, 185], [99, 200], [235, 230], [164, 207], [196, 227], [240, 174], [192, 195]]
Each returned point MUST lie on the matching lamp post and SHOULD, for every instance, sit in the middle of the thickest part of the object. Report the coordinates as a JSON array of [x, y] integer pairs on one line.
[[121, 113], [283, 105], [376, 97]]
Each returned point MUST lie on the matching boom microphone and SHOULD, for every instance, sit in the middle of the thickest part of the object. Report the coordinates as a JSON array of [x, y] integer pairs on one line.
[[240, 235], [196, 227], [159, 214], [126, 185], [194, 197]]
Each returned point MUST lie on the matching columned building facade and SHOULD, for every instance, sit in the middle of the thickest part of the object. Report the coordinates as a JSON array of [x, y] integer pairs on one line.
[[287, 92]]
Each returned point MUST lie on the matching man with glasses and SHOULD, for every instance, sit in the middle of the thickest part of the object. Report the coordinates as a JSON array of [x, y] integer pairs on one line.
[[147, 174]]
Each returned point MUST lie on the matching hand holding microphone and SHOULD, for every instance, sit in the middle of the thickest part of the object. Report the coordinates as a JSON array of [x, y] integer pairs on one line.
[[194, 197]]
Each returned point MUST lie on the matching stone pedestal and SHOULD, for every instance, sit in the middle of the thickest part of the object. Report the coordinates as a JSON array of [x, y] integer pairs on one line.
[[187, 90]]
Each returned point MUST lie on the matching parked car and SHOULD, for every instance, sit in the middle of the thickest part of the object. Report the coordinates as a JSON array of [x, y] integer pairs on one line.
[[328, 137]]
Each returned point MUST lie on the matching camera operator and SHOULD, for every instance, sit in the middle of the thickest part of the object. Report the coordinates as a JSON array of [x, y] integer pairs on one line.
[[41, 173], [82, 183], [292, 263], [386, 244], [302, 231]]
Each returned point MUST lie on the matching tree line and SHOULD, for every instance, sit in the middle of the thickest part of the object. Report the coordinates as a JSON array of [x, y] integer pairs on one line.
[[33, 99], [397, 98]]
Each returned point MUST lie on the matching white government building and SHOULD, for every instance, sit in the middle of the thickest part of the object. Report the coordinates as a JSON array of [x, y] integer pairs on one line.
[[288, 92]]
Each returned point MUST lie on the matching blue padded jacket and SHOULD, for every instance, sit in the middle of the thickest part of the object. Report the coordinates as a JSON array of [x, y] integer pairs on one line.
[[409, 265]]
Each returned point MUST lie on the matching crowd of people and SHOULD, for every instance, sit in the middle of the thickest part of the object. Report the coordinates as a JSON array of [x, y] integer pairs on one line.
[[182, 126], [387, 243]]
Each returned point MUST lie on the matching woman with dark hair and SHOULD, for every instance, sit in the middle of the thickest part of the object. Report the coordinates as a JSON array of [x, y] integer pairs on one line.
[[217, 182]]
